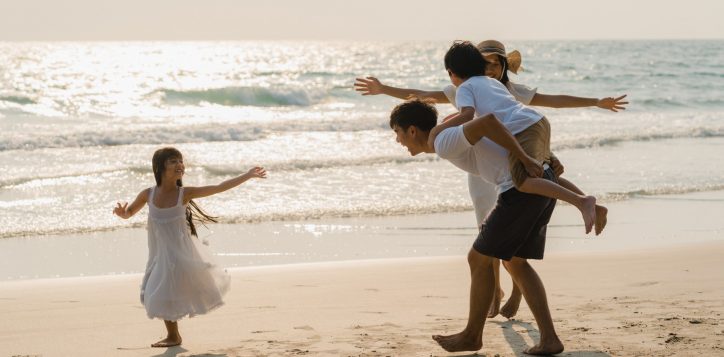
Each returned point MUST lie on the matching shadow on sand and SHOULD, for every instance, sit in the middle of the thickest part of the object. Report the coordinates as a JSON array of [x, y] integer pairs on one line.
[[176, 350], [518, 344]]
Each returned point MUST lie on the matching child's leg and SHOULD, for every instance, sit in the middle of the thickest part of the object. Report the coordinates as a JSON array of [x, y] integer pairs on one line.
[[543, 187], [535, 141], [173, 338], [601, 211]]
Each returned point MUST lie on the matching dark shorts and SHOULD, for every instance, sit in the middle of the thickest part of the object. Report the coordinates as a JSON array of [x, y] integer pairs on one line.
[[516, 227]]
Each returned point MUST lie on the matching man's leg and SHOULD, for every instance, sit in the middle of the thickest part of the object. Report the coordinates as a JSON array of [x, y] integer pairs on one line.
[[535, 295], [482, 288]]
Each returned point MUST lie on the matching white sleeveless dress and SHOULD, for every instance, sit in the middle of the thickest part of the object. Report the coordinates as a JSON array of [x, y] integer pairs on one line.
[[181, 277]]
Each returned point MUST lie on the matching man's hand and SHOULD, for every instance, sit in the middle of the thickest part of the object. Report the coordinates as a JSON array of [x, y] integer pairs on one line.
[[368, 86], [612, 104], [533, 167]]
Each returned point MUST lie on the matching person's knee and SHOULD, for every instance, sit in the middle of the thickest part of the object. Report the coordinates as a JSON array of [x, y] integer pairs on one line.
[[515, 264], [478, 260]]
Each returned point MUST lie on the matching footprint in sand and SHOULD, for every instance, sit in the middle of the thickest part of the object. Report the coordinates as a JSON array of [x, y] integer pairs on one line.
[[645, 283]]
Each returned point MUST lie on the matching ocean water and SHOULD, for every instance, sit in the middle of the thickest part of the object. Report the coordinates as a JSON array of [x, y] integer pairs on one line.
[[79, 123]]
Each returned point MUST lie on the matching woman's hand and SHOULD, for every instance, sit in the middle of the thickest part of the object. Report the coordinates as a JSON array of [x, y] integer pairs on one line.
[[257, 172], [612, 104], [368, 86]]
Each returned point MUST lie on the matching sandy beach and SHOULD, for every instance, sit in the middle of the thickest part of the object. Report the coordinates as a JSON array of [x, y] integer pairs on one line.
[[641, 289]]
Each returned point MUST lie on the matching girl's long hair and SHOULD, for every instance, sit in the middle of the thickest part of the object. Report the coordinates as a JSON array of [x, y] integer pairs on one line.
[[193, 211]]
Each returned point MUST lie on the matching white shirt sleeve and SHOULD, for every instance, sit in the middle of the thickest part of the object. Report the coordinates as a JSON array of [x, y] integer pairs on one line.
[[449, 92], [522, 93], [464, 97], [451, 143]]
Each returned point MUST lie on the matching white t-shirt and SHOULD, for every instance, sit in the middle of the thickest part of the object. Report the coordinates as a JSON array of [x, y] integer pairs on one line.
[[489, 96], [485, 159], [522, 93]]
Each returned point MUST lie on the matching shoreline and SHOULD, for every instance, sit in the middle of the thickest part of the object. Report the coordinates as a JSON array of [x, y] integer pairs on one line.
[[641, 223]]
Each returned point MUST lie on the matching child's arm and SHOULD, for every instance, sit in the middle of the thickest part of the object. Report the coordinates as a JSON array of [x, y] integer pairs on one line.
[[125, 211], [372, 86], [489, 126], [465, 115], [198, 192], [567, 101]]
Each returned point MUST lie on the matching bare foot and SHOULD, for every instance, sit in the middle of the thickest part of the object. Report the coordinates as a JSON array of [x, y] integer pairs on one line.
[[601, 219], [495, 306], [168, 342], [459, 342], [540, 349], [510, 308], [588, 210]]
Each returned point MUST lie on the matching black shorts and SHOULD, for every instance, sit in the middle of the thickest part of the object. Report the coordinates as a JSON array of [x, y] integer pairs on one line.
[[516, 227]]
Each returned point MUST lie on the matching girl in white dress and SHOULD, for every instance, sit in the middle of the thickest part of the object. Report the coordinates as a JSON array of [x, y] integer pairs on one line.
[[181, 277]]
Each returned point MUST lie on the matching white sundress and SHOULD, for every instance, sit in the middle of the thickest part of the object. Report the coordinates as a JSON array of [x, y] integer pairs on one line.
[[181, 277]]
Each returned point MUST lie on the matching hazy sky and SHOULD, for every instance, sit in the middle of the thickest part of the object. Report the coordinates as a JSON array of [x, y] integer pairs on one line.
[[358, 20]]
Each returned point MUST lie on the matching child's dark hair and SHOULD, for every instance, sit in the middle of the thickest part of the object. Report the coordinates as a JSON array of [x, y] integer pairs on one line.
[[414, 113], [193, 211], [464, 60]]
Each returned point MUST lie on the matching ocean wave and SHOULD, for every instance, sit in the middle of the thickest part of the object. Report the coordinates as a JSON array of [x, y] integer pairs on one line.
[[347, 212], [240, 96], [188, 134], [260, 217], [293, 165], [17, 99], [597, 141]]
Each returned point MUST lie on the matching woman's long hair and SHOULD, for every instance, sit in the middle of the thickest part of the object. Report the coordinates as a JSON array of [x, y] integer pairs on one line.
[[504, 64], [193, 211]]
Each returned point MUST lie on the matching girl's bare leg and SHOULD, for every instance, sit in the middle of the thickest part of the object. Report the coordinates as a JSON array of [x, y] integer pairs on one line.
[[173, 338]]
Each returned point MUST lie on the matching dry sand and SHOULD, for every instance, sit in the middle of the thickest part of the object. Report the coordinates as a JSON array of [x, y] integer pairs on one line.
[[638, 301]]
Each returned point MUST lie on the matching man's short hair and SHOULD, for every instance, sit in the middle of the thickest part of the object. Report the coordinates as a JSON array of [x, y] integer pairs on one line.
[[465, 60], [414, 113]]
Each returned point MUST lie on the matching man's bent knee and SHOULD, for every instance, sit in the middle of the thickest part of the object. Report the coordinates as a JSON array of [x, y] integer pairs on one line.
[[515, 263], [476, 259]]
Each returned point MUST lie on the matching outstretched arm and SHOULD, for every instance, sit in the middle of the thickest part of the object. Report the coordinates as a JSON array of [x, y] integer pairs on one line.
[[198, 192], [125, 211], [567, 101], [373, 86]]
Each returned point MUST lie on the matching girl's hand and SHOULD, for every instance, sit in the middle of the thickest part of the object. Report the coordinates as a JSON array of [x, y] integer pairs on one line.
[[612, 104], [257, 172], [368, 86], [120, 210]]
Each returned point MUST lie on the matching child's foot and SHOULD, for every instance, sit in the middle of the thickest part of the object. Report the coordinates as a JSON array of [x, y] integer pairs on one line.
[[495, 306], [588, 210], [601, 219], [168, 342]]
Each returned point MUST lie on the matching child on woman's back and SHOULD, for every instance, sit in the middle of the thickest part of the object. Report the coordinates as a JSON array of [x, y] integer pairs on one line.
[[181, 278]]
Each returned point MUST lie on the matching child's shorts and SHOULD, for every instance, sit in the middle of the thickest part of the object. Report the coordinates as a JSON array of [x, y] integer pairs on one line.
[[536, 142]]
